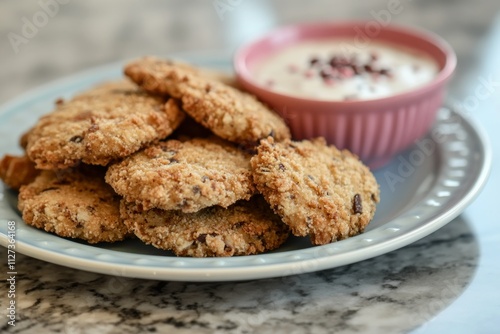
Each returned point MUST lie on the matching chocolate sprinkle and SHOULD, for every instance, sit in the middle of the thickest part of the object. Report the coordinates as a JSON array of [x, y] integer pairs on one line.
[[76, 139], [196, 189], [357, 206], [49, 189]]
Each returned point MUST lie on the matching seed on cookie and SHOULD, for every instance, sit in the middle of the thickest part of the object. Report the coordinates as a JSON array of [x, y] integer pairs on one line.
[[317, 189], [244, 228], [184, 175], [73, 203], [106, 123], [228, 112]]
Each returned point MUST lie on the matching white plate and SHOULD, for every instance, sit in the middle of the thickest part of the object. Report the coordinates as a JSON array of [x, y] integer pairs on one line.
[[422, 189]]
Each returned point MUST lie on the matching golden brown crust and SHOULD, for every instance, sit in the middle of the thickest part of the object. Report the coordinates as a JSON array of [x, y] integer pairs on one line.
[[245, 228], [16, 171], [187, 176], [73, 203], [106, 123], [228, 112], [317, 190]]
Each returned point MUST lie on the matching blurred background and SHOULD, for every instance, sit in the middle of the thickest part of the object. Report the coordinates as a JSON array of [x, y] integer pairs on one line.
[[47, 39]]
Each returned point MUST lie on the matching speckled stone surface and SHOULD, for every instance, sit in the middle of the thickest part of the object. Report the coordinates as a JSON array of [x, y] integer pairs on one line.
[[446, 282], [391, 293]]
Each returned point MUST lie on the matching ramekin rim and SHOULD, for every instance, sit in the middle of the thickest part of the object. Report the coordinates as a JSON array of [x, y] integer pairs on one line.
[[243, 72]]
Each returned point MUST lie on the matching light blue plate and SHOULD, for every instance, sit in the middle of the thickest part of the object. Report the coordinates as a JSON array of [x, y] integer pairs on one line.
[[422, 189]]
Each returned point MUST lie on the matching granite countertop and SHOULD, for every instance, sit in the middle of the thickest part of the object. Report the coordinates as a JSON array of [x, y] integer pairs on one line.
[[446, 282]]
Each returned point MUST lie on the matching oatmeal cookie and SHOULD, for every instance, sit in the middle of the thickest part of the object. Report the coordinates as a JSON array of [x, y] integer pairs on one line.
[[109, 122], [244, 228], [186, 176], [16, 171], [316, 189], [73, 203], [228, 112]]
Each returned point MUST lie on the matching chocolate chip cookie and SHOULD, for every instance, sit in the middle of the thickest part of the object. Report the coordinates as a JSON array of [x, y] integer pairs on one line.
[[228, 112], [316, 189], [244, 228], [73, 203], [107, 123], [184, 175]]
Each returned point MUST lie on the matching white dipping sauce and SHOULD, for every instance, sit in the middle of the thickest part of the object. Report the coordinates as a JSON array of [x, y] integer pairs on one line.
[[337, 70]]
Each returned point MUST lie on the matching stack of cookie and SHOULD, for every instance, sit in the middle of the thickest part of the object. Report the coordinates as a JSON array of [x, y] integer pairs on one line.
[[187, 162]]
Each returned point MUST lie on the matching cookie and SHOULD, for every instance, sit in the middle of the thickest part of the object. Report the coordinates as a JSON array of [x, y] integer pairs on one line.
[[107, 123], [187, 176], [16, 171], [244, 228], [228, 112], [316, 189], [73, 203]]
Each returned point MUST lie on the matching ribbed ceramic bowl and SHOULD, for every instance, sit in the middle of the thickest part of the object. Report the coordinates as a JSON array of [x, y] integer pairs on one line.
[[374, 129]]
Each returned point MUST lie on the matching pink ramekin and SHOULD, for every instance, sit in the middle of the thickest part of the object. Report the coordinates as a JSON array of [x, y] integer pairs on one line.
[[375, 129]]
